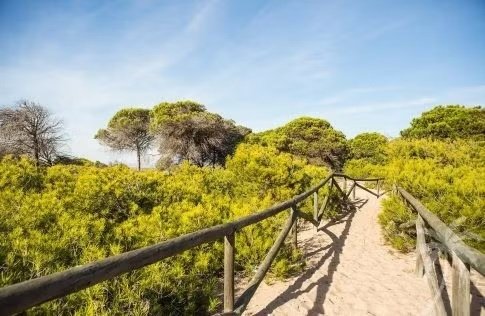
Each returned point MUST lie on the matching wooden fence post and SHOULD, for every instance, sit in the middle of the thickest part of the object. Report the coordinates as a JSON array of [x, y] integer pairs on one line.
[[460, 297], [294, 231], [378, 188], [315, 206], [245, 297], [419, 268], [429, 269], [355, 188], [229, 273]]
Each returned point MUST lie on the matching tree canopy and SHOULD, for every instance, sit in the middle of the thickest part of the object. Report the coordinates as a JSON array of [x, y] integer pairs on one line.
[[185, 130], [312, 138], [448, 122], [128, 130], [370, 146]]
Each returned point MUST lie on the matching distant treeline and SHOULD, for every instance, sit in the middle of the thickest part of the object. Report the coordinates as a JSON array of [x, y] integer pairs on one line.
[[186, 131]]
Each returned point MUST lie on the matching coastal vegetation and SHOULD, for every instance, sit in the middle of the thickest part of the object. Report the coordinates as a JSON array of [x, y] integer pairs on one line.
[[440, 159], [53, 218], [57, 211]]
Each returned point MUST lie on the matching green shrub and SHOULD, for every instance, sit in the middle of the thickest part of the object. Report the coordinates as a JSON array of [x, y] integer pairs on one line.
[[55, 218], [311, 138], [447, 176], [448, 122], [369, 146], [393, 215]]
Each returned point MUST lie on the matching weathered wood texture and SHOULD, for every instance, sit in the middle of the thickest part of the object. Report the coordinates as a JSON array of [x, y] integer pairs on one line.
[[315, 206], [335, 184], [341, 175], [294, 233], [367, 190], [429, 270], [229, 273], [325, 202], [462, 257], [248, 293], [460, 297], [352, 187], [419, 269], [445, 235], [308, 218]]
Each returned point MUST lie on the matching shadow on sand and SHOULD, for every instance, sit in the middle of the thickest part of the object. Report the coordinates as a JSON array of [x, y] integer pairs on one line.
[[332, 253], [478, 301]]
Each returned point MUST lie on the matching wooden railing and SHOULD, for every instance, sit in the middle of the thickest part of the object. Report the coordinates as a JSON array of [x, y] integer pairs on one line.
[[458, 254], [21, 296]]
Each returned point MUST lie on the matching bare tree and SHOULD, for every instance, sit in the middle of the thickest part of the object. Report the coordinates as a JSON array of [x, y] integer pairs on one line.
[[29, 129]]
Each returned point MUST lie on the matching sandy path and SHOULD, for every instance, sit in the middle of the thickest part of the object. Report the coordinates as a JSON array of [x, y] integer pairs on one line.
[[351, 271]]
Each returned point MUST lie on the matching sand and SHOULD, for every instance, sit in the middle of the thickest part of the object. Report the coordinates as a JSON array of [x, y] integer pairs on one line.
[[351, 271]]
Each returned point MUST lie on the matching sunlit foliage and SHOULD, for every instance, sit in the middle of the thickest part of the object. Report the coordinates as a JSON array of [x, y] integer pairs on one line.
[[55, 218], [312, 138], [447, 176], [369, 146], [448, 122]]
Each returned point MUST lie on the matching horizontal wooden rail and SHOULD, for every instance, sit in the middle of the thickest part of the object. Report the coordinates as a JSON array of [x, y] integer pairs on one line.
[[460, 255], [446, 236], [21, 296], [341, 175]]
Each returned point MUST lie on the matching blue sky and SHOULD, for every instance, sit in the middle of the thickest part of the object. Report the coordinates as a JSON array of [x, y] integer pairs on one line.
[[362, 65]]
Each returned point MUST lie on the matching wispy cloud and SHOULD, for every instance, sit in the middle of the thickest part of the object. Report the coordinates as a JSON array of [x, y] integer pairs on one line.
[[386, 106], [87, 89], [349, 95], [202, 16], [260, 63]]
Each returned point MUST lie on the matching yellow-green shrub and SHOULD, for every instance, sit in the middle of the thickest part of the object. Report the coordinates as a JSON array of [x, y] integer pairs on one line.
[[55, 218], [447, 176]]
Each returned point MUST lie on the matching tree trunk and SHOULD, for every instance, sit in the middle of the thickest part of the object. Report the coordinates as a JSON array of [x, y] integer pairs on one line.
[[138, 157], [36, 152]]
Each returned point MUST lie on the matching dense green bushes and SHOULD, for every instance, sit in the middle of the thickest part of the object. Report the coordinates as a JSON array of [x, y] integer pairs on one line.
[[311, 138], [447, 176], [73, 213], [448, 122], [369, 146], [441, 161], [58, 217]]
